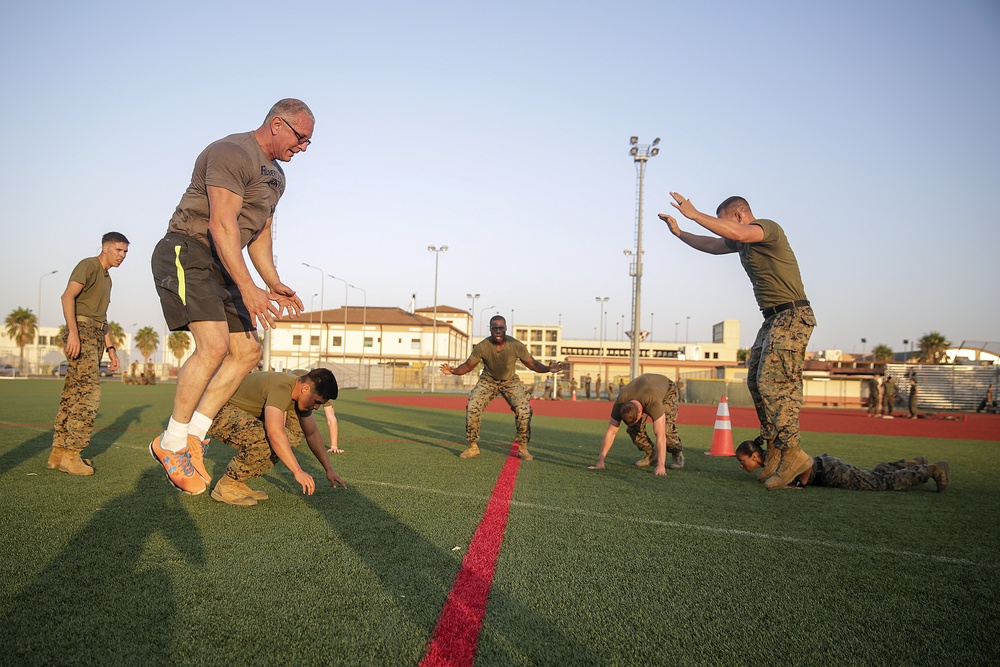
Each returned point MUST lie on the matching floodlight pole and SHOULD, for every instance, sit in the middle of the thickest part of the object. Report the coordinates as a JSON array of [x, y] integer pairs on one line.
[[640, 155], [437, 255]]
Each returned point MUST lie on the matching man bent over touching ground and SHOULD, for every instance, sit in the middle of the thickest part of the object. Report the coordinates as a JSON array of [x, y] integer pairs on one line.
[[830, 471], [253, 421], [648, 396]]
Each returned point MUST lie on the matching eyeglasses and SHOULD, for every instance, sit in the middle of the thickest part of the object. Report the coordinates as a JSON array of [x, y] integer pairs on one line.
[[303, 140]]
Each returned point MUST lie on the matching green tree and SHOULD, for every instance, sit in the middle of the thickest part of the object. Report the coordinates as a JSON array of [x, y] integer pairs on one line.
[[882, 352], [147, 341], [933, 347], [117, 333], [21, 327], [179, 342], [742, 356]]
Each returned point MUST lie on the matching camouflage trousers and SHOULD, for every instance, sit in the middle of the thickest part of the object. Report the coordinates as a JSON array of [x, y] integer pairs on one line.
[[81, 395], [895, 476], [774, 373], [245, 433], [517, 397], [637, 431]]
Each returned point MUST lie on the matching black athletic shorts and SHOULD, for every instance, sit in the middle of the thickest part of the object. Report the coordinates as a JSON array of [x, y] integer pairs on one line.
[[193, 286]]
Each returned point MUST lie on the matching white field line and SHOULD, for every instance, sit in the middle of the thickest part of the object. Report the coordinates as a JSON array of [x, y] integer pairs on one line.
[[843, 546]]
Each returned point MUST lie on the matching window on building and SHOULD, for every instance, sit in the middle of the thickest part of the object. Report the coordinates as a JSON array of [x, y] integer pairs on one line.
[[337, 341], [552, 336], [313, 340], [536, 350], [43, 340], [550, 350], [715, 355], [297, 339], [708, 356], [414, 343], [369, 342], [536, 335], [521, 334]]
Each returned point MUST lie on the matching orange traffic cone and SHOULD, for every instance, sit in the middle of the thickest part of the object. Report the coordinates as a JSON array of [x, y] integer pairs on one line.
[[574, 395], [722, 437]]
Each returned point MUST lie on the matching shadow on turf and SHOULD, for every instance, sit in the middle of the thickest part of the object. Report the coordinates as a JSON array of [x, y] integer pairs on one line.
[[402, 428], [98, 600], [419, 574], [100, 441]]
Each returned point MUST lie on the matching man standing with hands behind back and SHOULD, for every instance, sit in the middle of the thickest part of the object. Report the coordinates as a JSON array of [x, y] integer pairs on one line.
[[205, 286], [774, 367]]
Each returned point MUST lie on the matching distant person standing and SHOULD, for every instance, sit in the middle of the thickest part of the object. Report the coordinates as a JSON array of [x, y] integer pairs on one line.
[[774, 366], [85, 307], [987, 402], [889, 394], [875, 396], [913, 397], [586, 385], [499, 354], [204, 283]]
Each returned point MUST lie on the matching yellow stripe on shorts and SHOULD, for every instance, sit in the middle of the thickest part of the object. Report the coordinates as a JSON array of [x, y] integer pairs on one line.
[[181, 288]]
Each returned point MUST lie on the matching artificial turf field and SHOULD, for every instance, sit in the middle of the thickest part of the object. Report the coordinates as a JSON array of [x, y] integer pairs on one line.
[[615, 567]]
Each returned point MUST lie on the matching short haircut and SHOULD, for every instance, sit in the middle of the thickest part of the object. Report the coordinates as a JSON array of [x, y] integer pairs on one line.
[[732, 202], [748, 448], [496, 318], [323, 382], [114, 237], [289, 107], [630, 413]]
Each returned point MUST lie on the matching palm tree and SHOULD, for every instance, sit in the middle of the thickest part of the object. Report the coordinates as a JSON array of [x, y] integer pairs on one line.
[[117, 333], [147, 341], [933, 347], [882, 352], [179, 342], [21, 327]]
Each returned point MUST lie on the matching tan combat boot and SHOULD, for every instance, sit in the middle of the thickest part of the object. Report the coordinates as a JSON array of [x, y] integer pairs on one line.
[[251, 493], [227, 490], [793, 463], [678, 461], [473, 450], [74, 465], [771, 459], [647, 458], [915, 461], [55, 457], [523, 453], [939, 471]]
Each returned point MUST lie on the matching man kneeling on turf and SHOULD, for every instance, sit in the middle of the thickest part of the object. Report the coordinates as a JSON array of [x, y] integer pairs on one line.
[[830, 471], [254, 423], [654, 397]]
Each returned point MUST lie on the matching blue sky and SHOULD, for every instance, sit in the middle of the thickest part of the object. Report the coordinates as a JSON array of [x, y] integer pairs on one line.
[[868, 130]]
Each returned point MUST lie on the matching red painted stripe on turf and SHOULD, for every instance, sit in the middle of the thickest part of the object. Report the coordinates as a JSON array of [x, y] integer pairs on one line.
[[456, 635]]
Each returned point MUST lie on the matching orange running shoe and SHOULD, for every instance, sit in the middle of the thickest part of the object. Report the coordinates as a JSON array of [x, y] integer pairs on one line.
[[178, 467]]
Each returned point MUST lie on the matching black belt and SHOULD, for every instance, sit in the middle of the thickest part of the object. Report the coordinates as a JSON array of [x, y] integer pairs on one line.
[[774, 310]]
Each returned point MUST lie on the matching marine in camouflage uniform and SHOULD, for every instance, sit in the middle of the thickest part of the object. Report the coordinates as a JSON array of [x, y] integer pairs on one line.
[[774, 365], [499, 354], [656, 396], [889, 393], [833, 472], [85, 307], [265, 401]]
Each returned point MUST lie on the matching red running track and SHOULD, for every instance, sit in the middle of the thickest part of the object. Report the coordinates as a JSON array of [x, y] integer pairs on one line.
[[958, 426]]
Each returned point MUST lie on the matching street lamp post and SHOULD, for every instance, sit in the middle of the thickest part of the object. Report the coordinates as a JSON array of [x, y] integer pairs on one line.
[[482, 312], [343, 343], [600, 348], [312, 301], [437, 256], [676, 325], [640, 155], [322, 293], [364, 323], [687, 329], [38, 322], [472, 313]]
